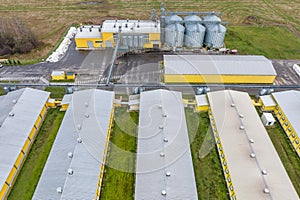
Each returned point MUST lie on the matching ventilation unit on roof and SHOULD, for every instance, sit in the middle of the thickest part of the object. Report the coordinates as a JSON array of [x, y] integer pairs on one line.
[[80, 29], [241, 116], [127, 20], [251, 141], [79, 127], [164, 115], [242, 127], [14, 101], [86, 104], [70, 155], [87, 115], [70, 171], [126, 25], [264, 172], [114, 25], [160, 106], [232, 105], [59, 190], [161, 127], [79, 140], [162, 154], [90, 29], [168, 173], [252, 155], [11, 114], [266, 190], [164, 192], [166, 140]]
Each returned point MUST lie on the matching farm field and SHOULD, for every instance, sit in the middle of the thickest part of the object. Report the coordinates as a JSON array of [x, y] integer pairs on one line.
[[49, 19]]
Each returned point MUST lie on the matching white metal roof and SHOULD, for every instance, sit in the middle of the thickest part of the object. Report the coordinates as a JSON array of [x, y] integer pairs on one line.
[[92, 31], [201, 100], [87, 118], [246, 176], [66, 99], [218, 64], [289, 101], [151, 167], [57, 73], [268, 116], [26, 105], [133, 26], [268, 100]]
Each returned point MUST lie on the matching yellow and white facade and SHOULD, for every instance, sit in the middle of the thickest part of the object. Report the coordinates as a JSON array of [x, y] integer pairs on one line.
[[22, 113], [226, 69], [137, 34]]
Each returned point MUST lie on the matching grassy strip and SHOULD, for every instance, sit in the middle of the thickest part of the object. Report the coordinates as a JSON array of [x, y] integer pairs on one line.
[[120, 184], [2, 91], [34, 164], [286, 152], [208, 171], [270, 41], [57, 92]]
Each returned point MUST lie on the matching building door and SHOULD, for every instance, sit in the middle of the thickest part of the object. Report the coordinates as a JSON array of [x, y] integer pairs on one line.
[[90, 44]]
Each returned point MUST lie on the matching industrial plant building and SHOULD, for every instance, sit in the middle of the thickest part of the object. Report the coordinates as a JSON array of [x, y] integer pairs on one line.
[[218, 69], [287, 111], [137, 34], [21, 114], [164, 167], [251, 165], [75, 166]]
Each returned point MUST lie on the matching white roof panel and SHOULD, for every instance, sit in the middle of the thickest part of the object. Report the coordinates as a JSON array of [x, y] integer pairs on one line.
[[218, 64], [246, 175], [15, 130], [90, 110], [151, 167], [133, 26], [268, 100], [289, 101], [89, 32], [201, 100]]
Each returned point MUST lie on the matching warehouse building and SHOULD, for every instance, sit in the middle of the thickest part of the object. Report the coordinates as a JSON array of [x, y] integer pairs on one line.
[[218, 69], [135, 34], [75, 166], [164, 168], [287, 111], [251, 165], [21, 114]]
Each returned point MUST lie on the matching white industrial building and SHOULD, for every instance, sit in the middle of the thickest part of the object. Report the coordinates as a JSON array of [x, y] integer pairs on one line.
[[21, 114], [251, 165], [164, 168], [75, 166]]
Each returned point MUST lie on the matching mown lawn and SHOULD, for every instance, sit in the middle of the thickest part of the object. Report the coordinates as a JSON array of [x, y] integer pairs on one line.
[[119, 176], [286, 152], [208, 171], [2, 91], [57, 92], [33, 167], [270, 41]]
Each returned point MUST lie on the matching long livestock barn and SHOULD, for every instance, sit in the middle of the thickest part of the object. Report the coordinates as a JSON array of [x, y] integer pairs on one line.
[[251, 165], [138, 34], [218, 69], [21, 114], [164, 167], [75, 166]]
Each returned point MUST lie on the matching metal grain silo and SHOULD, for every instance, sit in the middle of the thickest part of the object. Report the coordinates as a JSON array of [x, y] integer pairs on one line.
[[172, 19], [174, 35], [215, 32], [215, 35], [195, 32]]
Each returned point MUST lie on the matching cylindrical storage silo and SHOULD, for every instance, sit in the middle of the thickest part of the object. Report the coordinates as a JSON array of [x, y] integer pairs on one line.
[[195, 32], [141, 41], [172, 19], [211, 20], [130, 41], [174, 35], [215, 35], [135, 41]]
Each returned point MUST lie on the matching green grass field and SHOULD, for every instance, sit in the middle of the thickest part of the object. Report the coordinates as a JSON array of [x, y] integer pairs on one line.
[[32, 169], [2, 91], [57, 92], [120, 184], [270, 41], [286, 152], [208, 171]]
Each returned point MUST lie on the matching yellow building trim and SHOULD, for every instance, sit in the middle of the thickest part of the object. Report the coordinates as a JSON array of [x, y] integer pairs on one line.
[[58, 78], [83, 42], [154, 36], [202, 108], [222, 157], [4, 190], [188, 78]]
